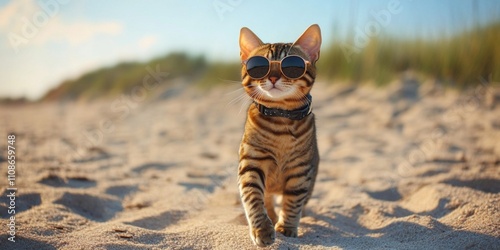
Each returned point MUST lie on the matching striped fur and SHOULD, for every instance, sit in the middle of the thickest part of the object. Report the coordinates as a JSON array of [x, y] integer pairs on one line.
[[278, 156]]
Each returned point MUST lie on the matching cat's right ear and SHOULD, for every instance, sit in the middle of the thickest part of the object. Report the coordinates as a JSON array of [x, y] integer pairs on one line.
[[248, 42]]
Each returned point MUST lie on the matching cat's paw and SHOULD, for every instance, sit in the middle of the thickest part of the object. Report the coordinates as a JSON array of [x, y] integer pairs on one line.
[[265, 235], [287, 231]]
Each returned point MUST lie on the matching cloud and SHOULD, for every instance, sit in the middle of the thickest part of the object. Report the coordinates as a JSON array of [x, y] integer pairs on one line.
[[43, 23], [10, 13], [147, 42], [77, 33]]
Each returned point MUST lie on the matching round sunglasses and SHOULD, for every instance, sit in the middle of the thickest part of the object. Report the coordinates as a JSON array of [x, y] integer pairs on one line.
[[292, 67]]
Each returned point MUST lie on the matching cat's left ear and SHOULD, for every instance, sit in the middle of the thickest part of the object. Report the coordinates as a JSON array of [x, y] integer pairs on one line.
[[248, 42], [310, 42]]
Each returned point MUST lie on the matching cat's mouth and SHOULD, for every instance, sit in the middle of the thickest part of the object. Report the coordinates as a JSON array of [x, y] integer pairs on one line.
[[274, 87], [275, 91]]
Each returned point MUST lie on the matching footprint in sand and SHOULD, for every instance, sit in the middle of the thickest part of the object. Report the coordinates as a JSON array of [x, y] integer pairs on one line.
[[24, 202], [154, 166], [200, 186], [73, 182], [94, 154], [203, 180], [390, 194], [122, 190], [91, 207], [161, 221], [483, 185], [27, 243]]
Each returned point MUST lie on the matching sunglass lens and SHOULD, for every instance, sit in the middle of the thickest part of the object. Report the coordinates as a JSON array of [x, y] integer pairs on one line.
[[293, 67], [257, 67]]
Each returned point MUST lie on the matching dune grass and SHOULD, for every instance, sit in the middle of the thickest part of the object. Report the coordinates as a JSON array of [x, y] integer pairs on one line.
[[121, 78], [458, 61]]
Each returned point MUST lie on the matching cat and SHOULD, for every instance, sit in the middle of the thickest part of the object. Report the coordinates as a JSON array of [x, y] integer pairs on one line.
[[278, 153]]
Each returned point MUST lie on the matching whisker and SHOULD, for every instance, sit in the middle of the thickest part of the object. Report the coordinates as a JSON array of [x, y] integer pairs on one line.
[[245, 103], [236, 100], [303, 99], [230, 81], [234, 91]]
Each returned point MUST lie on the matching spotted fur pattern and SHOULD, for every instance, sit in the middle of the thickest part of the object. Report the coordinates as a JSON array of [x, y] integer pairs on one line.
[[278, 156]]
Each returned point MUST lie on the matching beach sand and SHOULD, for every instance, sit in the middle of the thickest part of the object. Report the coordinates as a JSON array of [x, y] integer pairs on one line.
[[409, 166]]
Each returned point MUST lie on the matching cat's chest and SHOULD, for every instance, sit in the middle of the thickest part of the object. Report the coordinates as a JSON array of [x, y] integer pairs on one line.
[[284, 140], [284, 147], [278, 137]]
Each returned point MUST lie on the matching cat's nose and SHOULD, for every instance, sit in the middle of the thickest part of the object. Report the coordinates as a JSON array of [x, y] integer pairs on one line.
[[273, 79]]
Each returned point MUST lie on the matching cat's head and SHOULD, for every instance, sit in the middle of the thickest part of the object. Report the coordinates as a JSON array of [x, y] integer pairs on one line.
[[279, 75]]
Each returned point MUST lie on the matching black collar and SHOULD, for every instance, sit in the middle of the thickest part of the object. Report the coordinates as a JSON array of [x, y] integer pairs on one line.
[[296, 114]]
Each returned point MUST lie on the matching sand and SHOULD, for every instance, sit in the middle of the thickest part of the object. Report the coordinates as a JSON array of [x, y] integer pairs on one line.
[[410, 166]]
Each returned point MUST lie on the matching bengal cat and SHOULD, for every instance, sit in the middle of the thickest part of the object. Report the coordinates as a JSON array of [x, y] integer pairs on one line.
[[278, 152]]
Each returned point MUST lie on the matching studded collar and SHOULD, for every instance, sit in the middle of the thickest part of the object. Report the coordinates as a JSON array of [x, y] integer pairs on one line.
[[296, 114]]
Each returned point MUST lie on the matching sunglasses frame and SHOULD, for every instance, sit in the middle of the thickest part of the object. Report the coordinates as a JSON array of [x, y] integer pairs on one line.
[[306, 64]]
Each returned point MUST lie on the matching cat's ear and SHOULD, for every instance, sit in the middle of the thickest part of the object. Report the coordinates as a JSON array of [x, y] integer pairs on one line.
[[310, 42], [248, 42]]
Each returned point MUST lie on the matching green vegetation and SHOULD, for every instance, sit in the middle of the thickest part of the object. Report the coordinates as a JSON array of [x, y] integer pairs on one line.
[[121, 78], [457, 61], [13, 101], [219, 72]]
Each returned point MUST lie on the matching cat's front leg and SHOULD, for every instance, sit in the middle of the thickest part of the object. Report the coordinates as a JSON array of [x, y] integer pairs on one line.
[[296, 193], [251, 181]]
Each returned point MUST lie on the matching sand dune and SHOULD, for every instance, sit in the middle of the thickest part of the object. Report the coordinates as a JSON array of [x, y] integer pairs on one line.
[[405, 167]]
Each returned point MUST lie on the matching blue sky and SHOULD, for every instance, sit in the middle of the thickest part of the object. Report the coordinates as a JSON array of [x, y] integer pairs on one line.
[[71, 37]]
